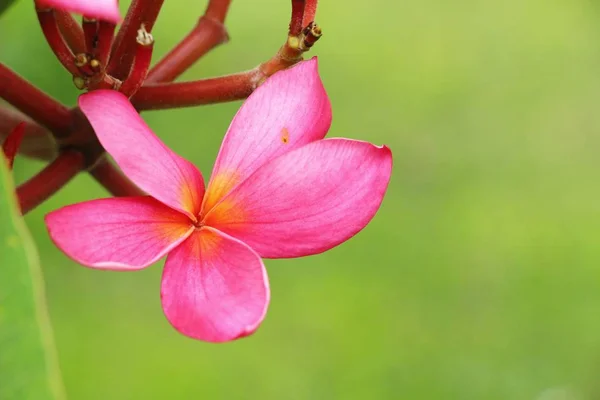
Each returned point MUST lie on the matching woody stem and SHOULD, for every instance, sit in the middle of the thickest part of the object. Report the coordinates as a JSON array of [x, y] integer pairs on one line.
[[216, 90], [33, 102], [49, 180], [70, 30], [124, 47], [297, 15], [49, 25], [206, 35]]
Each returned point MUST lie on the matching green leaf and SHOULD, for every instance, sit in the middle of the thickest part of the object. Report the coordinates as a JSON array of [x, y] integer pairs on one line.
[[4, 4], [28, 364]]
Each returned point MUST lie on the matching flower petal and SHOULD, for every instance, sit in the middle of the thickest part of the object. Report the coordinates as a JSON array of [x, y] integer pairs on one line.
[[214, 287], [141, 155], [307, 201], [107, 10], [125, 233], [289, 110]]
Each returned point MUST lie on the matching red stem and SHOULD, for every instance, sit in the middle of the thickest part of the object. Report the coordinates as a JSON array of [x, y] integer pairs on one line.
[[143, 57], [49, 180], [33, 102], [310, 10], [205, 36], [13, 142], [113, 180], [123, 50], [217, 9], [221, 89], [90, 32], [57, 43], [187, 94], [106, 33], [297, 15], [70, 30]]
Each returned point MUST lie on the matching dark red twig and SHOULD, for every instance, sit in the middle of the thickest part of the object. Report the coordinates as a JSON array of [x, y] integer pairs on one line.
[[33, 102], [49, 180], [106, 31], [55, 40], [187, 94], [206, 35], [310, 10], [297, 15], [143, 57], [90, 33], [70, 30], [123, 50]]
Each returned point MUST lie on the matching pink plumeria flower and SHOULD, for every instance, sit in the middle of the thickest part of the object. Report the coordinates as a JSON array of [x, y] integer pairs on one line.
[[107, 10], [278, 190]]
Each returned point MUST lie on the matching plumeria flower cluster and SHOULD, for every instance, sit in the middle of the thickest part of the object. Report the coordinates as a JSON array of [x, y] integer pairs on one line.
[[279, 188]]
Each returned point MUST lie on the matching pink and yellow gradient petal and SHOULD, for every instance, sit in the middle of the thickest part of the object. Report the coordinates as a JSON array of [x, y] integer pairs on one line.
[[126, 233], [214, 287], [308, 200], [142, 156], [287, 111]]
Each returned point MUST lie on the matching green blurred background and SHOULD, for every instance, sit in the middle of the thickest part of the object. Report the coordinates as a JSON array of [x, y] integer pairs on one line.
[[478, 279]]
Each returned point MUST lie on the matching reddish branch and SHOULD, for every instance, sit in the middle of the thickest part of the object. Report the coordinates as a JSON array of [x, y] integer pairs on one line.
[[310, 10], [90, 33], [206, 35], [33, 102], [143, 56], [123, 50], [297, 15], [206, 91], [56, 41], [221, 89], [113, 180], [106, 32], [70, 30], [49, 180]]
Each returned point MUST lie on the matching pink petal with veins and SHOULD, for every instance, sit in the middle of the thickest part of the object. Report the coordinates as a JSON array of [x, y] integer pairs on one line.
[[308, 200], [107, 10], [214, 287], [289, 110], [125, 233], [142, 156]]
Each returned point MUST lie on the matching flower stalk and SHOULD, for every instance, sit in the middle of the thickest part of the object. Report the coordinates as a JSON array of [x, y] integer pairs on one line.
[[206, 35], [33, 102], [71, 31], [141, 64], [124, 47], [55, 40]]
